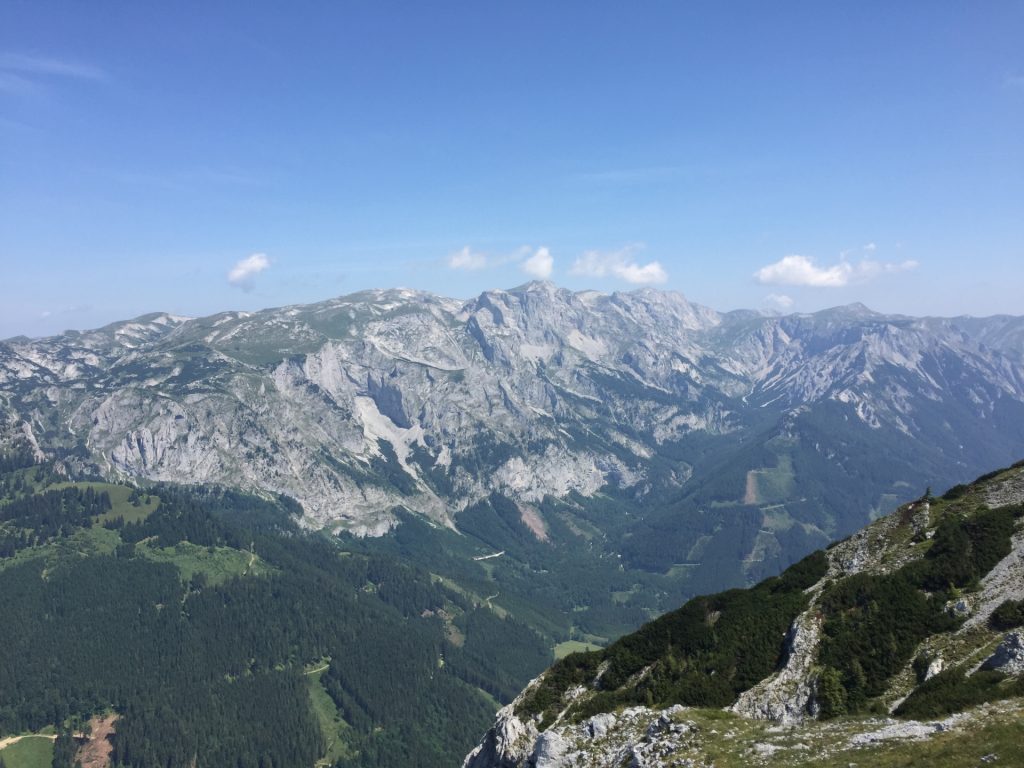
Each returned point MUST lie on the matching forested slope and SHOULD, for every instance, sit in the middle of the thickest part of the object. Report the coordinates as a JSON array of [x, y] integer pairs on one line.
[[196, 624]]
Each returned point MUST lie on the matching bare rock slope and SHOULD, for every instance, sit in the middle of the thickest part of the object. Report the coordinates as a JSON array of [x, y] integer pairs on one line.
[[361, 404]]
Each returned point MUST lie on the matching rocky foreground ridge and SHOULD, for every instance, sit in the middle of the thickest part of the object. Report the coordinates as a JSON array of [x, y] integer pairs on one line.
[[361, 404], [901, 642]]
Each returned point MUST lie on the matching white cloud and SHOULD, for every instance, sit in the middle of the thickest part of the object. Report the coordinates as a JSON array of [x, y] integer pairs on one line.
[[650, 273], [540, 265], [467, 259], [245, 270], [801, 270], [778, 300], [620, 264]]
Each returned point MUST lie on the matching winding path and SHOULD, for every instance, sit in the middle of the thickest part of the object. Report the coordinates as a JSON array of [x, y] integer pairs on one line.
[[9, 740]]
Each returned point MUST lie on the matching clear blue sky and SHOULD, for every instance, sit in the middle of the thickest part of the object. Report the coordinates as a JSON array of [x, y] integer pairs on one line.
[[788, 154]]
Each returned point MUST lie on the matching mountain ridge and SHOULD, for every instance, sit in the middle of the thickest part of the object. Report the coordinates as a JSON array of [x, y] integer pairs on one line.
[[359, 405], [951, 656]]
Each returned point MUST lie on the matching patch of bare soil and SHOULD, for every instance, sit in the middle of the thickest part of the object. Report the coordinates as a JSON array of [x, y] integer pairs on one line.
[[531, 519], [95, 751]]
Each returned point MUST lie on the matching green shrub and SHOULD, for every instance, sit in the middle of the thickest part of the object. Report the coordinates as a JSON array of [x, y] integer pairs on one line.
[[703, 654], [575, 669], [952, 691], [1008, 615], [873, 623], [956, 492], [831, 693], [964, 550]]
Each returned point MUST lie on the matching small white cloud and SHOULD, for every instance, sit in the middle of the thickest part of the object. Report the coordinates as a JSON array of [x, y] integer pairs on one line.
[[801, 270], [651, 273], [621, 264], [870, 247], [778, 300], [244, 272], [540, 265], [467, 259]]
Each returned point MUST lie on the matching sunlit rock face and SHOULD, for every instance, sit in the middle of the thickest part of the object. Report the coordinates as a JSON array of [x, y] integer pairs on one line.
[[361, 404]]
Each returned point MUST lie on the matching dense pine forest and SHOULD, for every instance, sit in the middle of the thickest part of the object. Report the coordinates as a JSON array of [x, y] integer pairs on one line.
[[219, 632]]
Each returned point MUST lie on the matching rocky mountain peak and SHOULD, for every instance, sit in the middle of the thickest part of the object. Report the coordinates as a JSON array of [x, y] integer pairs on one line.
[[571, 392]]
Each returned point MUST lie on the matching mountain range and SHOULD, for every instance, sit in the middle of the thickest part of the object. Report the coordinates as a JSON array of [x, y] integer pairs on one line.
[[546, 470], [365, 405]]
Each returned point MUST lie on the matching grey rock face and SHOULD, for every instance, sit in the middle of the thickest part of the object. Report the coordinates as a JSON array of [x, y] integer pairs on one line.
[[599, 725], [508, 742], [787, 696], [359, 404], [637, 736], [935, 666], [1009, 656], [549, 751]]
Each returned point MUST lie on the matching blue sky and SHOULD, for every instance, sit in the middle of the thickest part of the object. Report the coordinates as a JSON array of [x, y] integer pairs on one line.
[[196, 157]]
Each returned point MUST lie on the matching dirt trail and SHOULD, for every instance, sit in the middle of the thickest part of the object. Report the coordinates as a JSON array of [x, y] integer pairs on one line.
[[9, 740], [488, 557]]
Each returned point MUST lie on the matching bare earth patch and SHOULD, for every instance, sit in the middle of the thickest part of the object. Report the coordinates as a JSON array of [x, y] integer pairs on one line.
[[95, 751], [531, 519]]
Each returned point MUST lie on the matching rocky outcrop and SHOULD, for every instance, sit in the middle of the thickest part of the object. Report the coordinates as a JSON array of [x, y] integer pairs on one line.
[[787, 697], [638, 737], [1002, 583], [508, 742], [1009, 656]]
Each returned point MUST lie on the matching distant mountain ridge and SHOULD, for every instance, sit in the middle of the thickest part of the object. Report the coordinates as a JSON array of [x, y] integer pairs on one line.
[[363, 404]]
